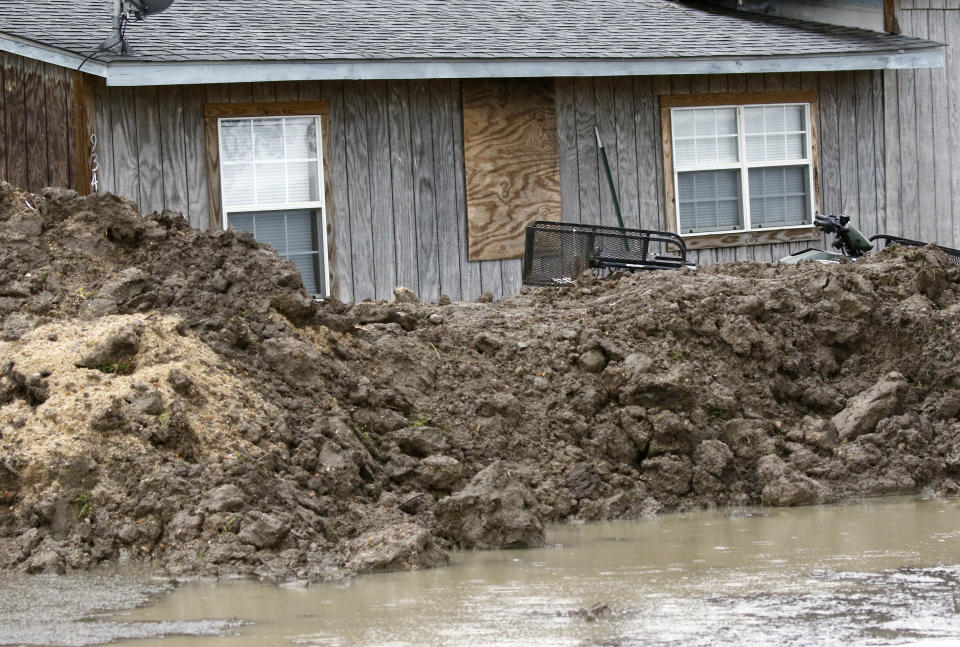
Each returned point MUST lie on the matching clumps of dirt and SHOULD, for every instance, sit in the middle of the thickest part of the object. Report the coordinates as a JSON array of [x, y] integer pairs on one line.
[[174, 398]]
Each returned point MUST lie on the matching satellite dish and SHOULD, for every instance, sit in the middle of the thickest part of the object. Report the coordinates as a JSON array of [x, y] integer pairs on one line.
[[143, 8], [124, 10]]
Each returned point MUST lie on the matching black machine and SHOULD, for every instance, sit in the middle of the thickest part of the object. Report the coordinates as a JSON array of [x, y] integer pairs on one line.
[[852, 244]]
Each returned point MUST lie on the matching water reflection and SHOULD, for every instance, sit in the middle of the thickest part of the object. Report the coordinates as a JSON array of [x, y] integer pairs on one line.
[[883, 572]]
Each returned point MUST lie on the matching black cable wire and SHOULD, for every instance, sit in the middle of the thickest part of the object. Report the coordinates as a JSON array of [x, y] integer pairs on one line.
[[123, 36], [92, 54], [123, 31]]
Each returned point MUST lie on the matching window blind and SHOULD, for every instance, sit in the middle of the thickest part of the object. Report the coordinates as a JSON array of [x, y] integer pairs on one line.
[[705, 136], [269, 161], [724, 156], [709, 201], [775, 133], [778, 196]]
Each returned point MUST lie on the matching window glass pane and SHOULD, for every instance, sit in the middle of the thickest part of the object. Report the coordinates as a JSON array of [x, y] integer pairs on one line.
[[285, 169], [727, 121], [728, 214], [685, 152], [709, 201], [243, 221], [683, 123], [727, 184], [774, 211], [756, 148], [773, 121], [706, 151], [268, 139], [271, 229], [236, 140], [779, 196], [271, 183], [686, 188], [705, 136], [794, 118], [775, 133], [301, 138], [302, 184], [727, 150], [307, 264], [796, 146], [237, 184], [300, 231], [753, 120], [795, 206], [776, 148], [795, 180], [705, 122]]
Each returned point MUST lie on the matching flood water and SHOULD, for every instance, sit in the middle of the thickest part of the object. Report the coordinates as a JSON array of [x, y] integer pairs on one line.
[[882, 572]]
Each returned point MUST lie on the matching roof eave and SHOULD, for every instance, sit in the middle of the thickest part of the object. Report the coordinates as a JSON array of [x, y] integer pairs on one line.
[[53, 55], [123, 73], [142, 73]]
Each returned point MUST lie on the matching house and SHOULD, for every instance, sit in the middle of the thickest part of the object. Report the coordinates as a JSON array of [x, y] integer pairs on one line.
[[409, 142]]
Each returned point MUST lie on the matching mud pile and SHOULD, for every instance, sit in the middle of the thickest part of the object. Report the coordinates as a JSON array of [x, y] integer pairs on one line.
[[174, 398]]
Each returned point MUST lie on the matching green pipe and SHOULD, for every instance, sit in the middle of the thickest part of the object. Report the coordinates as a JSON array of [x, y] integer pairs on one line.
[[613, 190]]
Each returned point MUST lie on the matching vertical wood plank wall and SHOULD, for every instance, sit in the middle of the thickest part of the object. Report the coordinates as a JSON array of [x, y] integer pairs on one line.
[[922, 131], [37, 135], [397, 165], [627, 112], [397, 176]]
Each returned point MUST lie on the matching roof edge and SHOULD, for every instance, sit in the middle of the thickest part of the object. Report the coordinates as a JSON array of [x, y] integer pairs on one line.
[[127, 74], [52, 55], [141, 73]]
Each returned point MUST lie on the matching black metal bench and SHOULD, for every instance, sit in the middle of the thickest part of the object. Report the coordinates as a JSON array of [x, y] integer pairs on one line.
[[557, 253], [952, 254]]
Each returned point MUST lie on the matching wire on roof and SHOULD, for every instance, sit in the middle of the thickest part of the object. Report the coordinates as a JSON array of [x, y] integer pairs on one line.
[[103, 48]]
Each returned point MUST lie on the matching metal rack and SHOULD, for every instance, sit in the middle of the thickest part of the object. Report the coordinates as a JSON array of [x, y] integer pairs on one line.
[[557, 253], [952, 254]]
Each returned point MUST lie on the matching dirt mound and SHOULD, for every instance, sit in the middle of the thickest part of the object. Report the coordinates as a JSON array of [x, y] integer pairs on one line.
[[174, 397]]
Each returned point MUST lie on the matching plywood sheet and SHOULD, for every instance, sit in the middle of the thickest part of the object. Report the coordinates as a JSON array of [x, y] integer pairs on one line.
[[512, 166]]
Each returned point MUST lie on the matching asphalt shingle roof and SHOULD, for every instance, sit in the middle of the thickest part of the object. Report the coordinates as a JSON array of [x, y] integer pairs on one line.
[[403, 30]]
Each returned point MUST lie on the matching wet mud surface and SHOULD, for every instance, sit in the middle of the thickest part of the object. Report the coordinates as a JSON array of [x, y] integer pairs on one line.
[[173, 399], [76, 610], [743, 576]]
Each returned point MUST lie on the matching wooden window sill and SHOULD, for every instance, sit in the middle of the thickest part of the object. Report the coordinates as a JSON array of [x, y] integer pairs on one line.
[[760, 237]]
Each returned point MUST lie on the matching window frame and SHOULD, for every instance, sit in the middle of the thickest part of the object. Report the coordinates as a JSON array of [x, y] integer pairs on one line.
[[216, 113], [733, 238]]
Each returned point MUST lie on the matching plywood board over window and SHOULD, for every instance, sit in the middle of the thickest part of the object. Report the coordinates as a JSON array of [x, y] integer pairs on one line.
[[511, 163]]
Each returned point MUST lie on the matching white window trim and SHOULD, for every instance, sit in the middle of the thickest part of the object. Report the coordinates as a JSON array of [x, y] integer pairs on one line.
[[743, 166], [287, 206]]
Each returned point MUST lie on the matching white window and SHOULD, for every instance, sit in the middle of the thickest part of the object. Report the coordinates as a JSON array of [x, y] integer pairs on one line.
[[271, 179], [742, 168]]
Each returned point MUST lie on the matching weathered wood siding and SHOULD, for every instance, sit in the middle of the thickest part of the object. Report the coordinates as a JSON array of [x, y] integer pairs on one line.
[[38, 138], [396, 169], [397, 165], [922, 131], [626, 110]]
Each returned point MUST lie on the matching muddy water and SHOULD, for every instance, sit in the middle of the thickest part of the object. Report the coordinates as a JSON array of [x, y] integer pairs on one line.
[[884, 572]]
